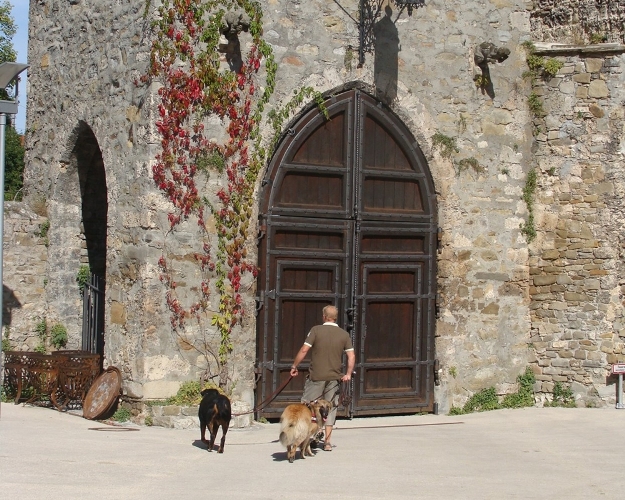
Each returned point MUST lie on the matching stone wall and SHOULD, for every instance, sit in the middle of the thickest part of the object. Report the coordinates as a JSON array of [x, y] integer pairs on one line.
[[577, 21], [421, 66], [499, 308], [25, 258], [576, 264]]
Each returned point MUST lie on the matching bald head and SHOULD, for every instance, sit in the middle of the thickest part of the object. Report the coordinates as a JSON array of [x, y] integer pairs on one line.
[[330, 313]]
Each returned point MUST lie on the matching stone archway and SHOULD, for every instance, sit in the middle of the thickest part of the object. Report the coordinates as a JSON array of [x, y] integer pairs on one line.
[[81, 189]]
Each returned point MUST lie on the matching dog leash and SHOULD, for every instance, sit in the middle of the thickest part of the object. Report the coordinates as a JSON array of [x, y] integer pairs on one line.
[[344, 397], [264, 403]]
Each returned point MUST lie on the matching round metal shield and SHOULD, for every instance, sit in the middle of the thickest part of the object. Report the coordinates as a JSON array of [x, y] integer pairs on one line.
[[103, 393]]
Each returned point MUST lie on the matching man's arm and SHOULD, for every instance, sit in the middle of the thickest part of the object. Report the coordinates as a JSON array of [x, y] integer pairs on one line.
[[298, 359], [351, 362]]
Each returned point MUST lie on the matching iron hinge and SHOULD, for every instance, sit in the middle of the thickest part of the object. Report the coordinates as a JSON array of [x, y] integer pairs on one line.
[[272, 294], [437, 305], [260, 366], [260, 300], [262, 230], [439, 239]]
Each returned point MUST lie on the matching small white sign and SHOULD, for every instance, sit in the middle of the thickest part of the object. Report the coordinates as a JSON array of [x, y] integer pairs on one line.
[[618, 368]]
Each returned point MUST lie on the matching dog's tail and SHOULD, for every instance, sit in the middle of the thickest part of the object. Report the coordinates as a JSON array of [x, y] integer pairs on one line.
[[284, 439]]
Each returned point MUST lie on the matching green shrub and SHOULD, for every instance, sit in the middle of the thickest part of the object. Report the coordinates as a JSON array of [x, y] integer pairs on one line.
[[525, 395], [562, 397], [535, 105], [83, 277], [149, 421], [189, 393], [552, 66], [486, 399], [528, 228], [534, 62], [58, 336], [43, 232], [41, 328], [121, 415], [445, 144], [472, 163], [598, 38]]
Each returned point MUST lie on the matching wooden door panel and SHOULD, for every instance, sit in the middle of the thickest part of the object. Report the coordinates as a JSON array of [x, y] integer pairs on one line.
[[389, 332], [381, 150], [306, 191], [389, 381], [393, 242], [383, 194], [303, 238], [326, 145], [350, 214]]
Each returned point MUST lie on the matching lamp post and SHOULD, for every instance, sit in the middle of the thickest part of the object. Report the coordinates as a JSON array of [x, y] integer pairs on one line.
[[8, 73]]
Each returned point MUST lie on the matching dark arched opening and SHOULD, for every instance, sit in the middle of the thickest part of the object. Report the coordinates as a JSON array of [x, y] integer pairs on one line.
[[94, 209]]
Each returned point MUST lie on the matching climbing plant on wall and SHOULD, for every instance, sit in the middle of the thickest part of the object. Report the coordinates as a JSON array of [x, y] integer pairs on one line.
[[197, 84]]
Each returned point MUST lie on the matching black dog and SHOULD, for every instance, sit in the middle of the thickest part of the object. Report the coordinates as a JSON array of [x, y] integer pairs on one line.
[[214, 411]]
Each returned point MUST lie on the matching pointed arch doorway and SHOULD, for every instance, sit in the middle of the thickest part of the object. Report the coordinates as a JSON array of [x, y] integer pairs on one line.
[[348, 217], [86, 161]]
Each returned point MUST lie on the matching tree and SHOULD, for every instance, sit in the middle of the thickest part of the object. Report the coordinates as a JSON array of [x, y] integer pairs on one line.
[[14, 151], [13, 164]]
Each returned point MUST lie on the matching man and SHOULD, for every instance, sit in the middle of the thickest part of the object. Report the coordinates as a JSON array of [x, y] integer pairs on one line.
[[326, 343]]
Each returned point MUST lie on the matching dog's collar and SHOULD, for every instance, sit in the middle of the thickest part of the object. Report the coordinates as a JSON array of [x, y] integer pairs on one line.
[[314, 419]]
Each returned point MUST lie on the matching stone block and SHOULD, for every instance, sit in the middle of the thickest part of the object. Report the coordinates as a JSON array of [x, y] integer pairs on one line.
[[598, 89], [594, 355], [582, 78], [550, 254], [576, 297], [117, 313], [560, 363], [594, 64], [596, 111], [189, 411], [592, 284], [185, 423], [603, 188], [163, 422], [171, 411], [543, 280], [160, 389], [581, 92]]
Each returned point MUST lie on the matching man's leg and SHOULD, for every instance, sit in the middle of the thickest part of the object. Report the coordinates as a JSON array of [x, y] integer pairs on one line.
[[331, 394], [312, 390]]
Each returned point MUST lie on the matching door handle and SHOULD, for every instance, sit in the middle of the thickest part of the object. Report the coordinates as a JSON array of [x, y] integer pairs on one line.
[[350, 318]]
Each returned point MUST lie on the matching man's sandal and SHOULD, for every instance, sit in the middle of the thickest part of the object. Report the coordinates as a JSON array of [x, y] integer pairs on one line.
[[327, 447]]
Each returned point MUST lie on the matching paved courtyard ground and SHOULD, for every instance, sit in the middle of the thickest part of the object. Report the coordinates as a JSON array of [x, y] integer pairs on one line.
[[552, 453]]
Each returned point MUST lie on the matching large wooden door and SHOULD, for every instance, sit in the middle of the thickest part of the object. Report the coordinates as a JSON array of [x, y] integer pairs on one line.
[[348, 218]]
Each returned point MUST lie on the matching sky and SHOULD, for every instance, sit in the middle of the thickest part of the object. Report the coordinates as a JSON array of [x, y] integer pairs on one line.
[[20, 43]]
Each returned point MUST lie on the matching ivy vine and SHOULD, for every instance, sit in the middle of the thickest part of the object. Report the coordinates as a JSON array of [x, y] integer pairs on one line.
[[185, 60]]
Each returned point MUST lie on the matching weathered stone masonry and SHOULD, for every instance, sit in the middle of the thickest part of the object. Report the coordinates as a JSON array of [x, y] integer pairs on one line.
[[555, 304], [576, 266]]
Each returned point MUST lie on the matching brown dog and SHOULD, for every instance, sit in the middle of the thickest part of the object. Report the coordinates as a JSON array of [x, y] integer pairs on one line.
[[298, 425]]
